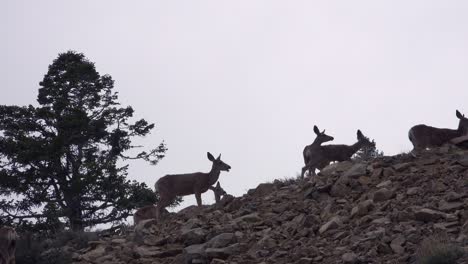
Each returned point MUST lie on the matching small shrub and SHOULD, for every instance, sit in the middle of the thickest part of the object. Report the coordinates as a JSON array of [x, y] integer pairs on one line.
[[438, 250]]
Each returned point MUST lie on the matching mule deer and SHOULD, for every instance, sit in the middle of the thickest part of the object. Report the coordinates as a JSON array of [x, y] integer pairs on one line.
[[218, 192], [422, 136], [329, 153], [8, 239], [171, 186], [314, 148]]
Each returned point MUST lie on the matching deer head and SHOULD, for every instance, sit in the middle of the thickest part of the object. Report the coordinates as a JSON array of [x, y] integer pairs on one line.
[[463, 124], [321, 136], [218, 164]]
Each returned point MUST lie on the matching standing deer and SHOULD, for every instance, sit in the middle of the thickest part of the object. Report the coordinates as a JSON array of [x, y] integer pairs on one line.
[[8, 239], [422, 136], [218, 192], [171, 186], [313, 149], [329, 153]]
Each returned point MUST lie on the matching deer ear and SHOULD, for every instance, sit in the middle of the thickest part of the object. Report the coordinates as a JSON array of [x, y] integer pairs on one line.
[[459, 115], [359, 134], [219, 157], [316, 130], [217, 185], [210, 157]]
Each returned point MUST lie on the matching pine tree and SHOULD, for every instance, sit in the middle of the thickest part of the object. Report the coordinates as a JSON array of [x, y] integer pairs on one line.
[[63, 159]]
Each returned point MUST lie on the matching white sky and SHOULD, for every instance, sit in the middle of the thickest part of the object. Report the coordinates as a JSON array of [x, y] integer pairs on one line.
[[249, 79]]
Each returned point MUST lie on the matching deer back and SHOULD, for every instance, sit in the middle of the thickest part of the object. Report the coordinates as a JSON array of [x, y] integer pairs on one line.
[[423, 136], [183, 184], [337, 152], [426, 136]]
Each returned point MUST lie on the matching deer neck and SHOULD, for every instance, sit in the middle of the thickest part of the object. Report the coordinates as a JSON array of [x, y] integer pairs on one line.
[[356, 146], [213, 175], [316, 142]]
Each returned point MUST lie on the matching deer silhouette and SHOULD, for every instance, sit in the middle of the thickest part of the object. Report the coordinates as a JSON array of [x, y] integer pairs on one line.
[[325, 154], [218, 192], [423, 136], [171, 186], [313, 149]]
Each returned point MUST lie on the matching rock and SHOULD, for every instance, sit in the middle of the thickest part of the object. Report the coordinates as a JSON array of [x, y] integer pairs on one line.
[[217, 261], [195, 251], [146, 252], [364, 180], [402, 166], [384, 184], [193, 236], [266, 242], [262, 189], [336, 168], [349, 258], [451, 206], [358, 169], [339, 190], [305, 261], [95, 253], [250, 218], [413, 191], [382, 194], [222, 253], [428, 215], [362, 208], [221, 240], [397, 243], [335, 222], [463, 160]]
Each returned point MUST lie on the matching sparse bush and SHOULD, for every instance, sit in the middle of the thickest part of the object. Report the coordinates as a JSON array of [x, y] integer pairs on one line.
[[438, 250]]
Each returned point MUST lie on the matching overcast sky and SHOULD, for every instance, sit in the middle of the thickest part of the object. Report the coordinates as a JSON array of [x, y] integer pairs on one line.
[[249, 79]]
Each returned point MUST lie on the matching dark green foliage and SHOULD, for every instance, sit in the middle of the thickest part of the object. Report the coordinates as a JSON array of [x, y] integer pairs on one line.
[[62, 160], [368, 153]]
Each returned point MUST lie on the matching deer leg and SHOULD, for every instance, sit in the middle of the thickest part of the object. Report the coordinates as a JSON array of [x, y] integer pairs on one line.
[[198, 197], [304, 170], [164, 201]]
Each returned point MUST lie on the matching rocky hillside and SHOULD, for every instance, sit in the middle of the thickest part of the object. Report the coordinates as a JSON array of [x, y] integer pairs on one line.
[[377, 212]]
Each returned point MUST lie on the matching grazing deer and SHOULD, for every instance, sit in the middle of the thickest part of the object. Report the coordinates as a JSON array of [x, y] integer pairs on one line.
[[312, 150], [329, 153], [422, 136], [8, 239], [171, 186], [218, 192]]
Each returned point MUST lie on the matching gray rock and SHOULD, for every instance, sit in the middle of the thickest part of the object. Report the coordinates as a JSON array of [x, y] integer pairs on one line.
[[428, 215], [362, 208], [382, 194], [397, 245], [193, 236], [358, 169], [349, 258], [221, 240], [335, 222]]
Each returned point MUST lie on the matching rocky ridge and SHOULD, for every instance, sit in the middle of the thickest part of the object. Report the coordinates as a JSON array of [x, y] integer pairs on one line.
[[373, 212]]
